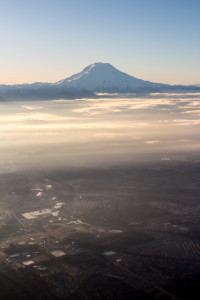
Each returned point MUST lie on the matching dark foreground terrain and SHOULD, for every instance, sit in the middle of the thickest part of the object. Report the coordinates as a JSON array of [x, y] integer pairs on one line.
[[116, 233]]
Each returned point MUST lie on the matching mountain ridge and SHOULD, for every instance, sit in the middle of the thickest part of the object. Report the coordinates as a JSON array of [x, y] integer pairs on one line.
[[96, 78]]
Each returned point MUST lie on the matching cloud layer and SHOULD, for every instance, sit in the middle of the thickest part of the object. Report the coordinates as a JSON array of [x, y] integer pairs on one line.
[[88, 132]]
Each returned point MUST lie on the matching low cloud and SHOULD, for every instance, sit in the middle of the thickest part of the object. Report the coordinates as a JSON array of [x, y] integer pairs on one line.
[[98, 131], [31, 107]]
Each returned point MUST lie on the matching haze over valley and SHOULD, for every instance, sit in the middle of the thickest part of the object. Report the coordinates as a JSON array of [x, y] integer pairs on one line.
[[89, 185], [114, 128]]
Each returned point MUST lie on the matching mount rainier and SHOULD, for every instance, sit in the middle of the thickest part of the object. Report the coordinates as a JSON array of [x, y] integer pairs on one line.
[[94, 79]]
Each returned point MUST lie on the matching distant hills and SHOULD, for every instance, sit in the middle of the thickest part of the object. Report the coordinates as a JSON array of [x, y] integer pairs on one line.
[[95, 79]]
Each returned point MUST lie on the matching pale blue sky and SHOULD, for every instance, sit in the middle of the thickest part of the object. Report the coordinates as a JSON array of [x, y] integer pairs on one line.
[[47, 40]]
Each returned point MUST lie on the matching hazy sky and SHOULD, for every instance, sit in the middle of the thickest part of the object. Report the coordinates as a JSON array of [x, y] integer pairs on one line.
[[47, 40]]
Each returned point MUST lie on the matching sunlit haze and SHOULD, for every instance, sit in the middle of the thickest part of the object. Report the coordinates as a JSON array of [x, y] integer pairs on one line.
[[91, 132]]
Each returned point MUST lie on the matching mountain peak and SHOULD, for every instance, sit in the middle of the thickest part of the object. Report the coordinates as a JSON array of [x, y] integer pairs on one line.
[[98, 66], [96, 78], [102, 76]]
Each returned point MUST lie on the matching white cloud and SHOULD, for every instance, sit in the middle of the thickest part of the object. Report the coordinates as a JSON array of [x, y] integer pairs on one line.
[[31, 107], [151, 142]]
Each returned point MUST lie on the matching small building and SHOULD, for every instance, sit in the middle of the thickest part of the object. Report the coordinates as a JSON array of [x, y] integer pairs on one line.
[[109, 253], [14, 255], [28, 262], [58, 253]]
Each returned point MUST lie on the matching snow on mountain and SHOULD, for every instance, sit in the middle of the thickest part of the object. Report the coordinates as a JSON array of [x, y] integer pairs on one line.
[[102, 77], [95, 78]]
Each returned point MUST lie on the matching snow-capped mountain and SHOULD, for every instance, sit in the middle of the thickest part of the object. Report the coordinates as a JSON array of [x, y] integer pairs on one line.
[[103, 77], [96, 78]]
